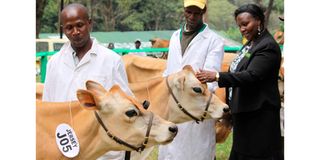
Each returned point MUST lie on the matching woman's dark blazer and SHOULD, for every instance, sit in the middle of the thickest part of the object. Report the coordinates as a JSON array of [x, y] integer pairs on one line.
[[255, 102], [255, 82]]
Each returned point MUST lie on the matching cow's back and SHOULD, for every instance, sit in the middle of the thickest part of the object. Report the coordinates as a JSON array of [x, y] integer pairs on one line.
[[140, 69]]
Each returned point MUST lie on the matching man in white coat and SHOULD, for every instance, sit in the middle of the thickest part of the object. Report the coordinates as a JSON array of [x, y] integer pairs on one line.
[[196, 45], [137, 45], [82, 59]]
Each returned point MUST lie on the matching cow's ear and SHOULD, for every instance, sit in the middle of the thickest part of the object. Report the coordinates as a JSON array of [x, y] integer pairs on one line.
[[87, 100], [95, 87], [115, 88], [179, 82], [188, 68]]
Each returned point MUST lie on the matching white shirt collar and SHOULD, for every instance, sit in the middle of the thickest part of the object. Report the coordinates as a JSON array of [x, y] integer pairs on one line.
[[91, 51]]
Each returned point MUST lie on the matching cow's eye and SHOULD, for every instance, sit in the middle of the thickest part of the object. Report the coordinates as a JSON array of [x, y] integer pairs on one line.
[[197, 89], [131, 113]]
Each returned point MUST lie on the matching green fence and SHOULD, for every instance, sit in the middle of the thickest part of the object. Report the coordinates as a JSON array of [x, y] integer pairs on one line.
[[121, 51]]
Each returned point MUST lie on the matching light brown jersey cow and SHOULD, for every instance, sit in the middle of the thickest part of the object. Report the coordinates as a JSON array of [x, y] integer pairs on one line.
[[141, 69], [159, 43], [189, 92], [39, 91], [122, 115], [193, 96]]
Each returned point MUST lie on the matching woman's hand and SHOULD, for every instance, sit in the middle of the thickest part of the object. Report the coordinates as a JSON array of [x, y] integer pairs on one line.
[[206, 76]]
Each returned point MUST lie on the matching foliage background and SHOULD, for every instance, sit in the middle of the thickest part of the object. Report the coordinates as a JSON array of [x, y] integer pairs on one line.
[[142, 15]]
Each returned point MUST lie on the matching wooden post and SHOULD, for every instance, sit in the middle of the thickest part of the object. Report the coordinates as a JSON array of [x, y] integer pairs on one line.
[[60, 25]]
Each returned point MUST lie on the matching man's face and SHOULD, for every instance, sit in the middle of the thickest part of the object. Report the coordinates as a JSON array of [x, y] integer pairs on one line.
[[76, 26], [193, 17], [137, 44]]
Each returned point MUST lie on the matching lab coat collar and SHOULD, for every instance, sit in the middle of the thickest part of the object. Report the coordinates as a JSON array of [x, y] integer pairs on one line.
[[68, 54], [201, 35]]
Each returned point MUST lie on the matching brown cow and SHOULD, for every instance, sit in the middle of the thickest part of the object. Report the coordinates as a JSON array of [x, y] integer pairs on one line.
[[39, 90], [123, 116], [279, 37], [189, 92], [160, 43], [141, 69]]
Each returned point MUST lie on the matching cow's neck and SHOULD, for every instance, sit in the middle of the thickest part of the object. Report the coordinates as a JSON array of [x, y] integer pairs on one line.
[[84, 123], [94, 149], [175, 115], [161, 103], [156, 92]]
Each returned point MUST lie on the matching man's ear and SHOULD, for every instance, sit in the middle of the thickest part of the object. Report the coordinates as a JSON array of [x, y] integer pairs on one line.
[[90, 24], [87, 100]]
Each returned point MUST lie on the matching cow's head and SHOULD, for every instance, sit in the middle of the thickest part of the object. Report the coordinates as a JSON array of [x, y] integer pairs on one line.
[[124, 117], [193, 97]]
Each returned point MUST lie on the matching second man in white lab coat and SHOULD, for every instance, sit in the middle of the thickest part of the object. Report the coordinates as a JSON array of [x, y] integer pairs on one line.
[[196, 45]]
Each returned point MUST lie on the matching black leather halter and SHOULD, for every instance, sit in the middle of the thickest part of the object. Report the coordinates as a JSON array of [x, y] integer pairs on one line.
[[118, 140], [184, 110]]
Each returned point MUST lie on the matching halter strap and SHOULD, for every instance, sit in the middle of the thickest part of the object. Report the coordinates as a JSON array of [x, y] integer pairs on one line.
[[118, 140], [184, 110]]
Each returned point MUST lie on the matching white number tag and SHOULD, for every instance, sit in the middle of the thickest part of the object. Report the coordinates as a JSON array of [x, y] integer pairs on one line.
[[67, 141]]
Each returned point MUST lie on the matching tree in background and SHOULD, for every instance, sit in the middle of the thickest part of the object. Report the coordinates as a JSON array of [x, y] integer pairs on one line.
[[161, 15], [222, 19], [50, 19], [221, 16], [145, 15], [40, 5], [139, 15], [268, 5]]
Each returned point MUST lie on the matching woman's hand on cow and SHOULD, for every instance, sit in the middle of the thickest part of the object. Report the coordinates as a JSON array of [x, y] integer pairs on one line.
[[206, 76]]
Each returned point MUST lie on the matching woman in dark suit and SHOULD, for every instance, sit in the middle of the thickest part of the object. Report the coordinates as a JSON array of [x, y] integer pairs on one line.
[[252, 90]]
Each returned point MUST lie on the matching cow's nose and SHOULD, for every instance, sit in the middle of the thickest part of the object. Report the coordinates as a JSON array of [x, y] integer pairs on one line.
[[145, 104], [173, 129], [226, 109]]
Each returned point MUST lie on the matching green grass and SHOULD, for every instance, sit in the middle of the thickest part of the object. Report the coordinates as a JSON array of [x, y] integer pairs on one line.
[[154, 154], [222, 150], [38, 78]]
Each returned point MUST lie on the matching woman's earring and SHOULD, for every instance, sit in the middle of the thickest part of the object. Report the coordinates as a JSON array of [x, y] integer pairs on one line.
[[259, 31]]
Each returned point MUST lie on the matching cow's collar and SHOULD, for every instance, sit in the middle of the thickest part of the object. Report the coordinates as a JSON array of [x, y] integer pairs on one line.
[[184, 110], [118, 140]]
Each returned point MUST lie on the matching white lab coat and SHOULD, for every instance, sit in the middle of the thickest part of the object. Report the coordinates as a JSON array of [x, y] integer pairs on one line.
[[100, 64], [194, 141], [64, 78]]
